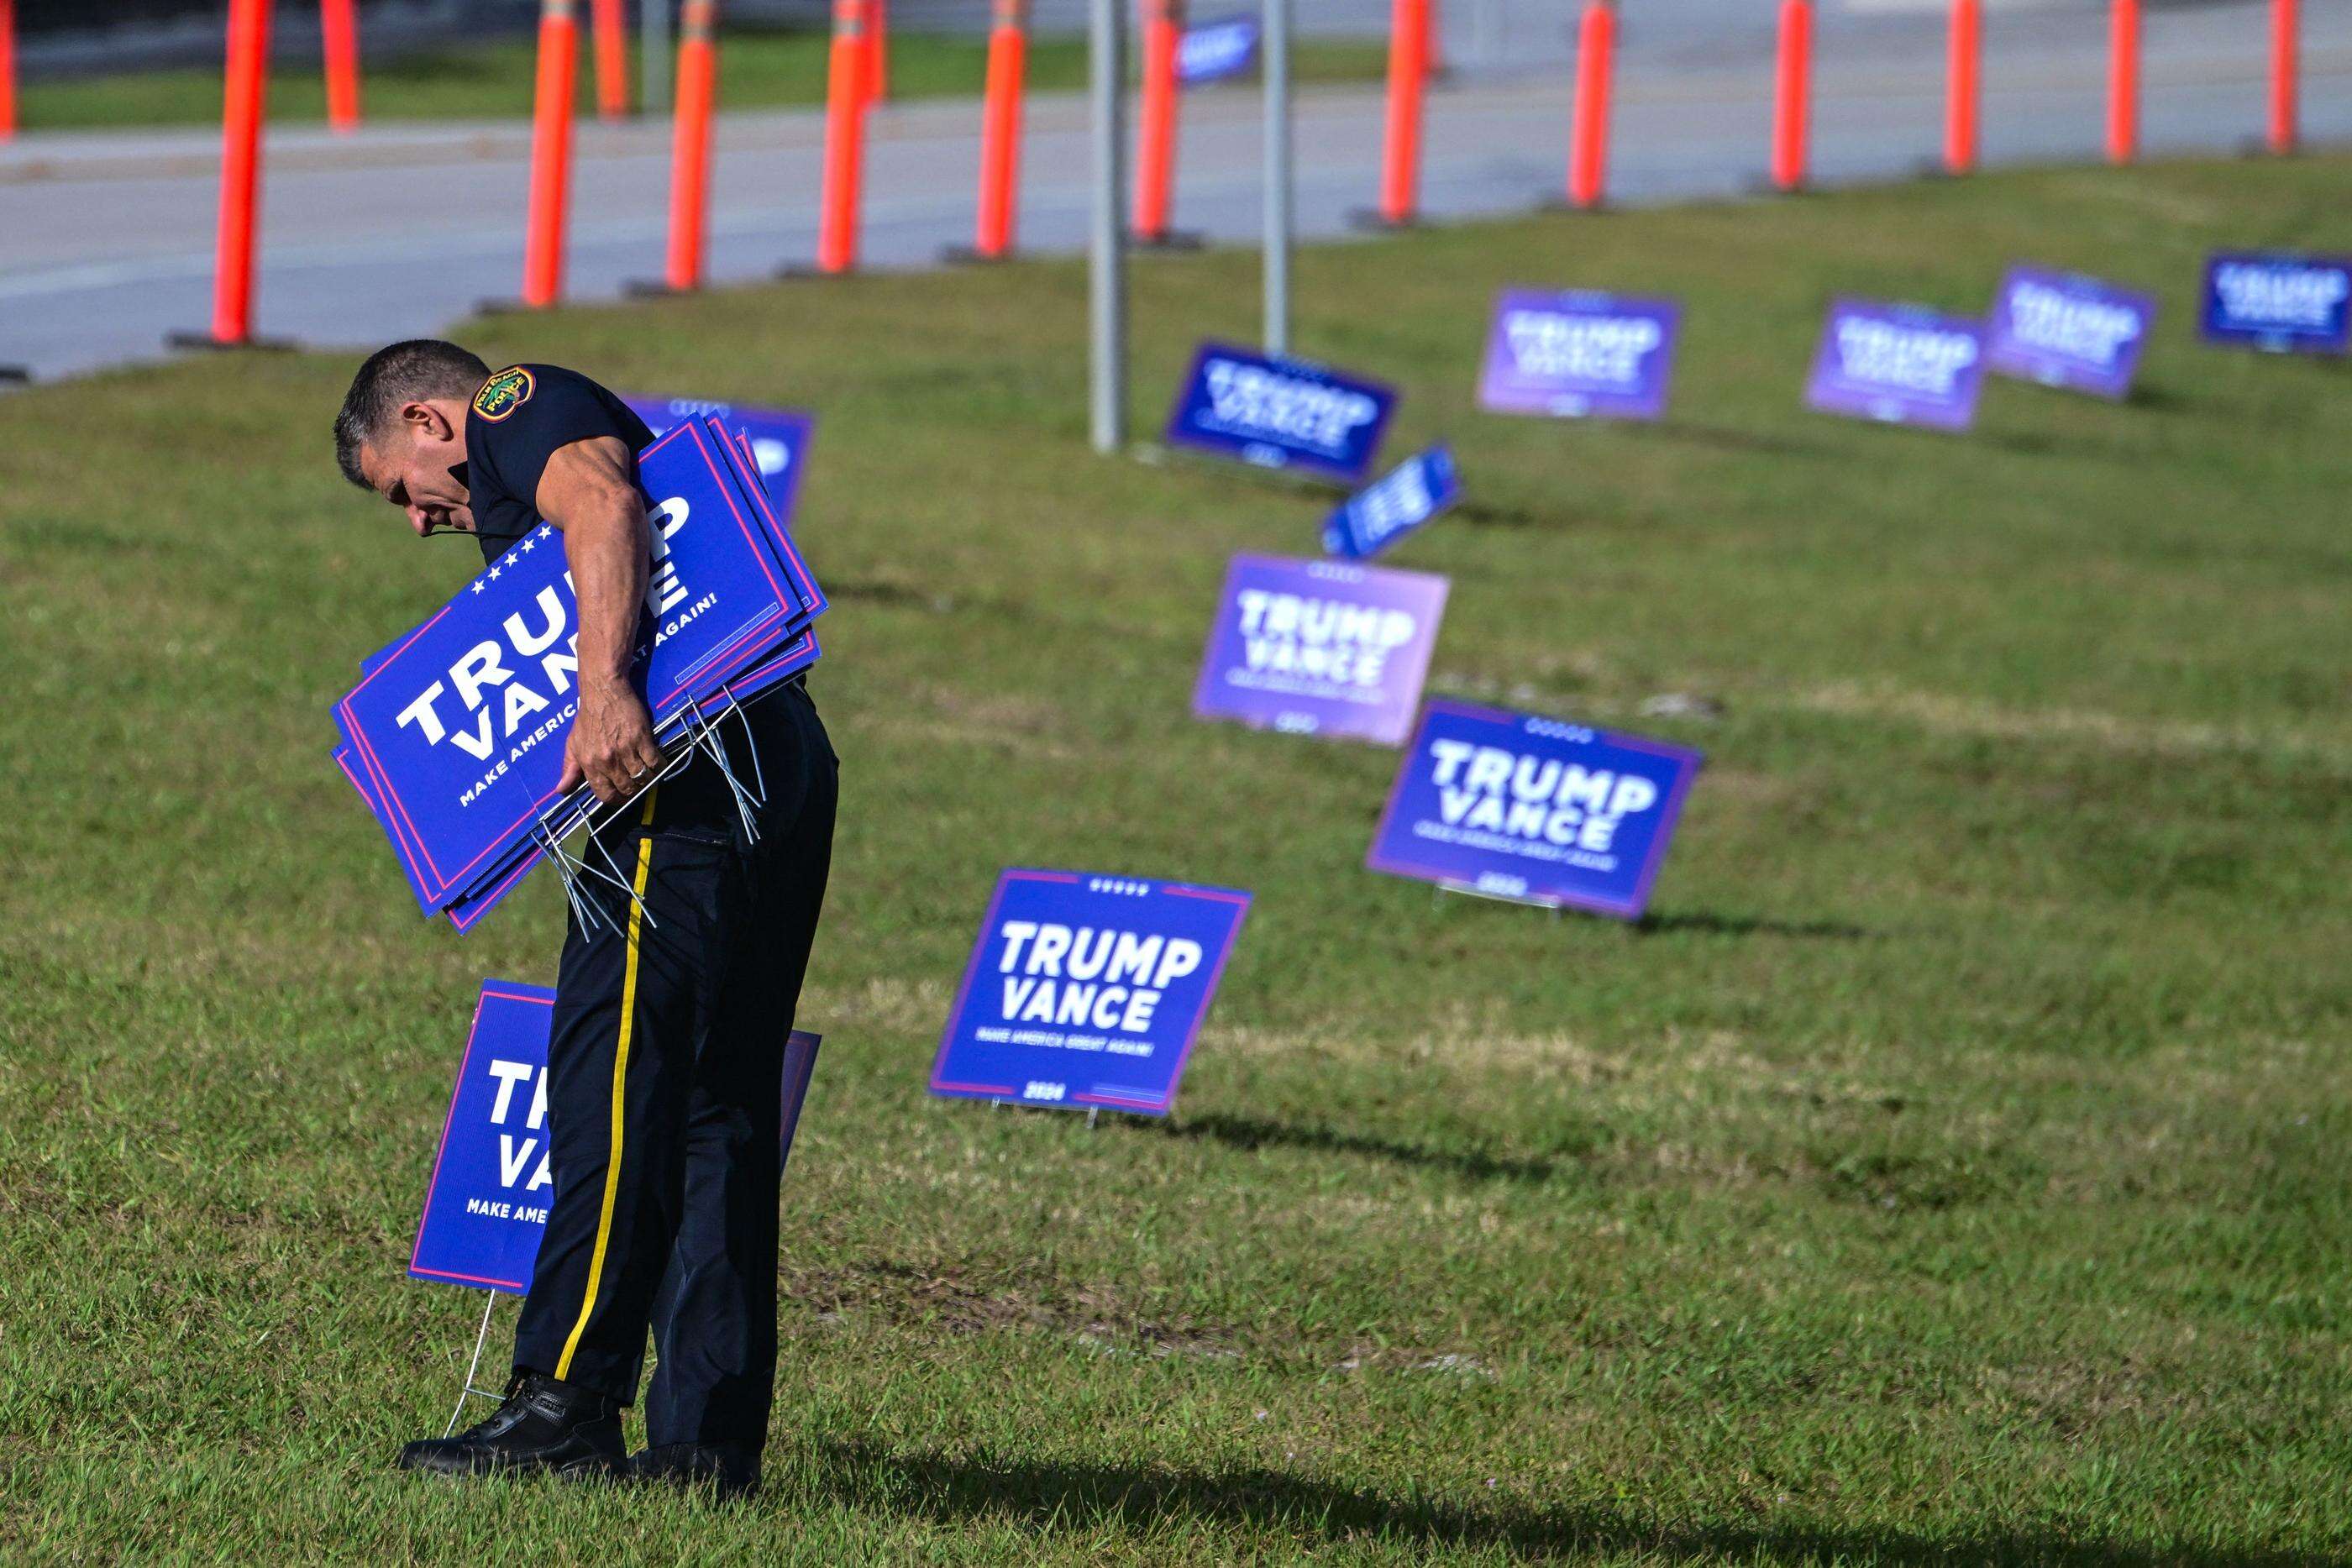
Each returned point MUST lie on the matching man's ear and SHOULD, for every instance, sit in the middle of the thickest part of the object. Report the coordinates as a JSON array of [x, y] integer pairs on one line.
[[427, 423]]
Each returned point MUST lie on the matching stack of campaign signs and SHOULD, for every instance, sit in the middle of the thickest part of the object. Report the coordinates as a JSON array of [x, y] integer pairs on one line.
[[455, 735], [485, 1209]]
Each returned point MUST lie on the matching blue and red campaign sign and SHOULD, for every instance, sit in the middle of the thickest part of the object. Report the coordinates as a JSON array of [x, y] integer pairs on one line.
[[1898, 364], [486, 1210], [779, 436], [1319, 647], [1210, 51], [2280, 303], [2066, 330], [1579, 355], [463, 725], [455, 735], [1408, 496], [1087, 990], [1515, 806], [1280, 414]]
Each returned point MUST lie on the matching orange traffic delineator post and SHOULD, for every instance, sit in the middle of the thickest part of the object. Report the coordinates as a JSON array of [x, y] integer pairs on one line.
[[1155, 154], [611, 28], [689, 176], [877, 51], [7, 69], [2123, 80], [1588, 142], [1961, 91], [551, 154], [242, 100], [1792, 94], [847, 88], [2283, 130], [243, 103], [690, 153], [338, 36], [999, 137], [1401, 145]]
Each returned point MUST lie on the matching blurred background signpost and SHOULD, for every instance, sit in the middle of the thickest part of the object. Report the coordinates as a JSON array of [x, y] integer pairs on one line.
[[1276, 55], [1107, 242]]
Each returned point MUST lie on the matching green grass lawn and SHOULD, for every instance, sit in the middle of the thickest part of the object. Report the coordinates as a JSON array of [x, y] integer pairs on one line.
[[1952, 1170], [758, 70]]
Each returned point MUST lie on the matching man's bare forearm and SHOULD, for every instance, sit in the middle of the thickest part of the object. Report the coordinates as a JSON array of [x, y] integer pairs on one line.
[[606, 549], [589, 492]]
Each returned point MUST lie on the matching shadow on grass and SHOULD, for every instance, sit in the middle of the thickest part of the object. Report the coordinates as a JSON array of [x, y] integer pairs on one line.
[[1486, 515], [1728, 438], [2160, 399], [1252, 1133], [1077, 1498], [1708, 922], [879, 590]]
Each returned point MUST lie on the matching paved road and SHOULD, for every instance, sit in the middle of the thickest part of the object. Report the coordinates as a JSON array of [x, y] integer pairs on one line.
[[105, 240]]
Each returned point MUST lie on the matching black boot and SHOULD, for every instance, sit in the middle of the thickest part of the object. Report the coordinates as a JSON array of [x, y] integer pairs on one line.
[[731, 1469], [544, 1425]]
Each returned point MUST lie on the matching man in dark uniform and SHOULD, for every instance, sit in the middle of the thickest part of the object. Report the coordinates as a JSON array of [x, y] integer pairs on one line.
[[666, 1063]]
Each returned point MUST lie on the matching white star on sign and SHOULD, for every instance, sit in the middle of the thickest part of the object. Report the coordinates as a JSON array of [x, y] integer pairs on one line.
[[494, 572], [478, 587]]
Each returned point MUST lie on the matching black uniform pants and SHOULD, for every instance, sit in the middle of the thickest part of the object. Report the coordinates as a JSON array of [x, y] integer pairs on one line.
[[665, 1077]]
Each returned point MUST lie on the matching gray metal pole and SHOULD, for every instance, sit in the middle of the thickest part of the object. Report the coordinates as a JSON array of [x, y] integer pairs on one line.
[[653, 56], [1107, 277], [1278, 176]]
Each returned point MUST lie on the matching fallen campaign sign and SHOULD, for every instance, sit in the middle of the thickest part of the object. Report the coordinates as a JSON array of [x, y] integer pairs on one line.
[[1210, 51], [1315, 647], [1579, 355], [1280, 414], [779, 436], [2064, 329], [486, 1210], [1518, 807], [1406, 496], [1898, 364], [2280, 303], [1087, 990]]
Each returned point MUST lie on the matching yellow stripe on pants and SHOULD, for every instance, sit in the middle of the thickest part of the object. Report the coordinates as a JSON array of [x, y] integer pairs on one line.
[[620, 1092]]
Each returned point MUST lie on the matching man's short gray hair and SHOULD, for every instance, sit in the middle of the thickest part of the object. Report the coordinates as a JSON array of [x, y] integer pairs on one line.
[[407, 373]]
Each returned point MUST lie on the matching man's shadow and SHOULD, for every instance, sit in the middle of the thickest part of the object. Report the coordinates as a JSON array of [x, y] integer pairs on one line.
[[1072, 1499]]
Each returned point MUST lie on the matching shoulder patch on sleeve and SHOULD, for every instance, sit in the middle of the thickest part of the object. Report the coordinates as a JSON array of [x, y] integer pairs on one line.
[[503, 393]]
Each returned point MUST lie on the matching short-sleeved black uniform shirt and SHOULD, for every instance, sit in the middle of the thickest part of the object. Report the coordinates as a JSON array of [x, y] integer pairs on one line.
[[521, 417]]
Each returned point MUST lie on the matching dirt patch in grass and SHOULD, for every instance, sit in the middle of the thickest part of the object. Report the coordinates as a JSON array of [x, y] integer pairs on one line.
[[948, 1298], [2075, 1397]]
